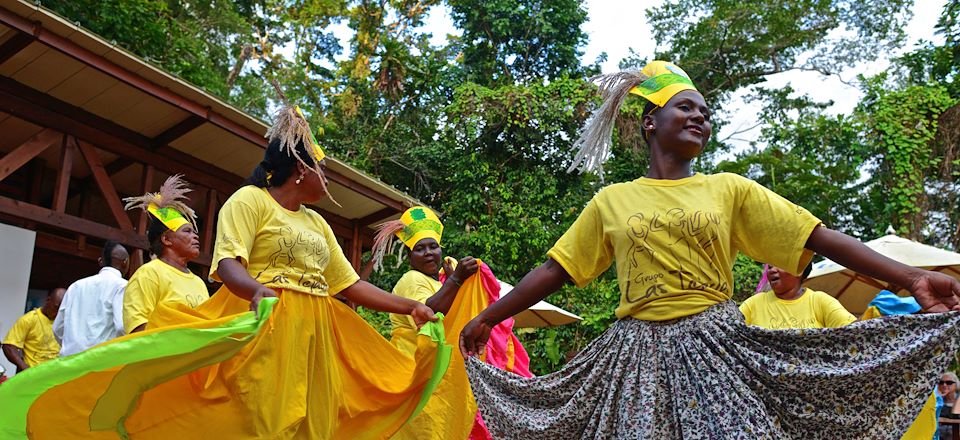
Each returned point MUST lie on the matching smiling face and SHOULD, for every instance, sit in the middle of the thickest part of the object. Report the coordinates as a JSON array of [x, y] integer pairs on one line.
[[183, 242], [682, 125], [426, 257]]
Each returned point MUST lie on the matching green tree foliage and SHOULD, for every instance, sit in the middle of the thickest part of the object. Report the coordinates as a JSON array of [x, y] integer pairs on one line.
[[729, 44], [516, 41], [480, 127], [901, 126]]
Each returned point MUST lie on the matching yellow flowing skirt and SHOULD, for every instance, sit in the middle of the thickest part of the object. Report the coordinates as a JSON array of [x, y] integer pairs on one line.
[[315, 370], [451, 411]]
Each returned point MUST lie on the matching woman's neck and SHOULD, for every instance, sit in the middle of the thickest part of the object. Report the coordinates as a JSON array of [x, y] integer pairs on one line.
[[285, 196], [666, 167], [180, 263]]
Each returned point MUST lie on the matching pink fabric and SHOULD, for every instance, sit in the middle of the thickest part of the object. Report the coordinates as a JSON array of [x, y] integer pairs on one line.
[[497, 352], [764, 283]]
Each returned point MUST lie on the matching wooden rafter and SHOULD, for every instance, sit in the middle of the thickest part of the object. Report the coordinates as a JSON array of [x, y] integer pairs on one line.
[[70, 223], [62, 188], [177, 131], [209, 221], [101, 63], [14, 45], [44, 110], [146, 185], [105, 185], [377, 216], [366, 191], [26, 151]]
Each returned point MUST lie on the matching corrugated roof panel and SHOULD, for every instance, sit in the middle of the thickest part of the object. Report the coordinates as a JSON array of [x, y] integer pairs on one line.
[[22, 58], [206, 141], [150, 117], [83, 86], [114, 101], [47, 71]]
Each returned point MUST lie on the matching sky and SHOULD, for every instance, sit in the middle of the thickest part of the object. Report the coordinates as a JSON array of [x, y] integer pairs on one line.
[[617, 26]]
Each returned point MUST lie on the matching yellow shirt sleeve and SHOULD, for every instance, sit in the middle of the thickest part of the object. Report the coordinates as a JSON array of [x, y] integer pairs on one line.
[[237, 226], [140, 298], [339, 273], [832, 312], [583, 250], [770, 228], [17, 336]]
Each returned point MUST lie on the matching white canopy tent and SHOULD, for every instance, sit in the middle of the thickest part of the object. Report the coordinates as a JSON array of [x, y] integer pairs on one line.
[[855, 291]]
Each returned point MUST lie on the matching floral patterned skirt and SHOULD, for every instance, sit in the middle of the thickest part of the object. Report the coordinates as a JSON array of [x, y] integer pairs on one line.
[[711, 376]]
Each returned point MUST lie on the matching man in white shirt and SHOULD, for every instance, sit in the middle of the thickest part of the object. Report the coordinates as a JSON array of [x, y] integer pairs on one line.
[[92, 308]]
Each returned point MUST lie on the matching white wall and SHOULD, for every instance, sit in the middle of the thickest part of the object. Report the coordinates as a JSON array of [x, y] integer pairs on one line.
[[16, 258]]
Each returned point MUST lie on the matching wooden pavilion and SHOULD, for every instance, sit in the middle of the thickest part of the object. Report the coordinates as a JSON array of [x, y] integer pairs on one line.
[[84, 123]]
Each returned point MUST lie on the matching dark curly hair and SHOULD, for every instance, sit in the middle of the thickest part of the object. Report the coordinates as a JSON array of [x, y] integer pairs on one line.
[[277, 165]]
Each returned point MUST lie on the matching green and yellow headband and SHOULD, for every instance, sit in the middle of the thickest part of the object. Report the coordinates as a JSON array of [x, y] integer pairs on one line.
[[419, 222], [167, 205], [171, 218], [664, 81], [414, 225], [657, 82]]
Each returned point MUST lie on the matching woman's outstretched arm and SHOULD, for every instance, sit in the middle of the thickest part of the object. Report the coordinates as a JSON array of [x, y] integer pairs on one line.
[[370, 296], [535, 286], [934, 291]]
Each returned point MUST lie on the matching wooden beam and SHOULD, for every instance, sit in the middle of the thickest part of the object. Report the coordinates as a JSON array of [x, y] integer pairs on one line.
[[177, 131], [66, 246], [365, 191], [70, 223], [101, 63], [62, 187], [377, 216], [209, 221], [14, 45], [119, 164], [26, 151], [356, 247], [146, 185], [105, 185], [44, 110]]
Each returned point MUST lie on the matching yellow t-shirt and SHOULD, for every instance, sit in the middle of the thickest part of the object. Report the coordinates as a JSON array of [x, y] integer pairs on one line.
[[157, 282], [418, 287], [33, 333], [281, 249], [814, 309], [674, 241]]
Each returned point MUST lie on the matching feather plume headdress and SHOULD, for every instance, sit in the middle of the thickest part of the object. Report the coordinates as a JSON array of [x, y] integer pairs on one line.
[[167, 204], [657, 82], [415, 224], [291, 128]]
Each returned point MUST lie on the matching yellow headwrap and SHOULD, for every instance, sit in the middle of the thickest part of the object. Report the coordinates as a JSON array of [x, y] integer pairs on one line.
[[419, 222], [665, 80], [415, 224]]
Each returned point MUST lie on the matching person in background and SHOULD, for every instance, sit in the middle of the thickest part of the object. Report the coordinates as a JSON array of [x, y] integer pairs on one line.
[[31, 342], [789, 305], [947, 389], [173, 237], [92, 308]]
